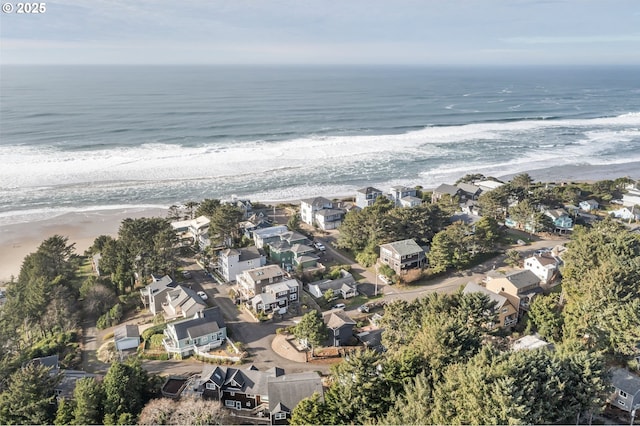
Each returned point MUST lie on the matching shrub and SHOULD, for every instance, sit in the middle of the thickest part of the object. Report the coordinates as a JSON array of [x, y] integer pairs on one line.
[[156, 329], [156, 341]]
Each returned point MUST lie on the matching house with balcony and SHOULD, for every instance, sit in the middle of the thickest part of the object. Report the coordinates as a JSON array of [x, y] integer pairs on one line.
[[272, 393], [277, 297], [402, 255], [251, 282], [365, 197], [561, 219], [154, 295], [232, 262], [469, 191], [410, 201], [205, 331], [196, 230], [321, 212], [519, 287], [182, 302], [398, 192], [507, 314], [445, 189]]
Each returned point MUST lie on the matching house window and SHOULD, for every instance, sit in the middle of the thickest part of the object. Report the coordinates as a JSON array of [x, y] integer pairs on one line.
[[210, 386], [281, 416], [621, 403], [505, 310], [293, 296], [622, 394], [204, 339], [230, 403]]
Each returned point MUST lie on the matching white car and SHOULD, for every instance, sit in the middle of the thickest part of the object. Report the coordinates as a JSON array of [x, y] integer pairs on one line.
[[384, 279], [202, 295], [319, 246]]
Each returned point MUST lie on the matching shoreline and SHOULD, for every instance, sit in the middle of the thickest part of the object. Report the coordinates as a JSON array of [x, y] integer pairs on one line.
[[82, 227]]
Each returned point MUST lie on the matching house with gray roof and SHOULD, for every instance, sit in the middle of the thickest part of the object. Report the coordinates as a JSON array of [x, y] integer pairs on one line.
[[232, 261], [444, 189], [402, 255], [182, 302], [398, 192], [277, 297], [345, 286], [252, 281], [340, 327], [262, 237], [626, 390], [286, 391], [321, 212], [154, 295], [520, 287], [204, 331], [272, 392], [126, 336], [410, 201], [365, 197], [469, 191]]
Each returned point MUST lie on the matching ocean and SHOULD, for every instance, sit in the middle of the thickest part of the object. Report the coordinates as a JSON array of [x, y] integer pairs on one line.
[[80, 138]]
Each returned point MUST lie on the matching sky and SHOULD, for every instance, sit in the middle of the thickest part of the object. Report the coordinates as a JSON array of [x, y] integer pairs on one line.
[[354, 32]]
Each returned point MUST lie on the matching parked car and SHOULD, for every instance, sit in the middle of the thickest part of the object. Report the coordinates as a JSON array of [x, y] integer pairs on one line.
[[363, 308], [318, 245], [202, 295], [186, 274], [339, 306]]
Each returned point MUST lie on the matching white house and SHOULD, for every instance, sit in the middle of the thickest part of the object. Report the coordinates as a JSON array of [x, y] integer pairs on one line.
[[264, 236], [544, 266], [365, 197], [398, 192], [626, 213], [345, 286], [589, 205], [277, 297], [252, 281], [154, 295], [232, 262], [182, 302], [310, 206]]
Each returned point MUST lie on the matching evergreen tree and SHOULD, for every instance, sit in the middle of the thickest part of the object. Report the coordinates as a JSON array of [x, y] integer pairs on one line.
[[89, 399], [310, 411]]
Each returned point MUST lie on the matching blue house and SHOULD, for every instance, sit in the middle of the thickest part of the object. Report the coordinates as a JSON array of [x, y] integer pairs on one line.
[[561, 219], [205, 331]]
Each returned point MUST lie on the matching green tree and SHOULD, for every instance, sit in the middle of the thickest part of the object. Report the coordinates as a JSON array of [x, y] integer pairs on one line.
[[523, 180], [310, 411], [29, 397], [125, 389], [413, 407], [451, 248], [546, 315], [191, 206], [494, 203], [487, 234], [224, 224], [311, 329], [294, 222], [328, 295], [208, 207], [64, 413], [89, 397], [513, 258]]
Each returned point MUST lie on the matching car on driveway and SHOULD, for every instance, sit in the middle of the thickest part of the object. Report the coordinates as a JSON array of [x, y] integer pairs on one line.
[[186, 274], [318, 245], [202, 295], [338, 306], [363, 308]]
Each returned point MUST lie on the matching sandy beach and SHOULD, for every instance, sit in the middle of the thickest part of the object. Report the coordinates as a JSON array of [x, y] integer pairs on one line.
[[18, 240]]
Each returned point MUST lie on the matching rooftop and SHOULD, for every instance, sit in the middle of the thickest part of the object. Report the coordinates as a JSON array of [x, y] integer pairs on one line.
[[403, 248]]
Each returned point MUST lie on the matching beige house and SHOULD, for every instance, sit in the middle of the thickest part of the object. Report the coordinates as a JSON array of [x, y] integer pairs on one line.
[[520, 287], [252, 281], [507, 313]]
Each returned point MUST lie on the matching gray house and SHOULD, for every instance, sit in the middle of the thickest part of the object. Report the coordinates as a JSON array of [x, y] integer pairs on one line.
[[155, 294], [286, 391], [205, 331], [340, 327], [626, 390], [126, 336], [365, 197], [402, 255]]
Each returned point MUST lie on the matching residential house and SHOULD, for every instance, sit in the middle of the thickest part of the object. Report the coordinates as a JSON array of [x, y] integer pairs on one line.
[[182, 302], [402, 255], [371, 338], [68, 378], [632, 196], [272, 392], [126, 336], [252, 281], [397, 193], [277, 297], [625, 390], [154, 295], [529, 343], [410, 202], [589, 205], [506, 312], [520, 287], [232, 262], [469, 191], [445, 189], [254, 222], [321, 212], [340, 327], [196, 230], [345, 286], [204, 331], [286, 391], [544, 266], [626, 213], [365, 197], [241, 204], [488, 185], [561, 219], [264, 236]]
